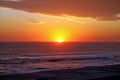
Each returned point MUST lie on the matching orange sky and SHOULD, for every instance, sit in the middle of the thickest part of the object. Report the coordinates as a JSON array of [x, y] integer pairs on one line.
[[27, 21]]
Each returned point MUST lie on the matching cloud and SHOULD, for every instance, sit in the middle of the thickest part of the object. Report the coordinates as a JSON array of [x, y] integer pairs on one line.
[[11, 0], [33, 21], [101, 9]]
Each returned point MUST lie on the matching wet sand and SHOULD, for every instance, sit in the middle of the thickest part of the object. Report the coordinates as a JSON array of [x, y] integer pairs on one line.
[[111, 72]]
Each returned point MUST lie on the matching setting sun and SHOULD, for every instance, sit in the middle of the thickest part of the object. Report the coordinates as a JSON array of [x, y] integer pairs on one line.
[[60, 41]]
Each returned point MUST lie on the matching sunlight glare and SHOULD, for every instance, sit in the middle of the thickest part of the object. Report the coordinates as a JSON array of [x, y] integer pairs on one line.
[[60, 41]]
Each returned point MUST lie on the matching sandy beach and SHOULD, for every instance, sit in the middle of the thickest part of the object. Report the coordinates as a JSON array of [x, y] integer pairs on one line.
[[111, 72]]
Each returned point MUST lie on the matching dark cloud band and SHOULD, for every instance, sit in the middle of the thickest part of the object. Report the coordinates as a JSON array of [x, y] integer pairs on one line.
[[102, 9]]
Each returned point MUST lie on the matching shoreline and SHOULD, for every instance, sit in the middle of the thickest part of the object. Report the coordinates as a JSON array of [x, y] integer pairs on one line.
[[86, 73]]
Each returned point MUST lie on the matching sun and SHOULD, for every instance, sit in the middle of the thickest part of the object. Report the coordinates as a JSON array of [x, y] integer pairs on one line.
[[59, 40]]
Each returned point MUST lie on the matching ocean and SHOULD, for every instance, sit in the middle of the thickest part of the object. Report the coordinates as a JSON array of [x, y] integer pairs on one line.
[[27, 57]]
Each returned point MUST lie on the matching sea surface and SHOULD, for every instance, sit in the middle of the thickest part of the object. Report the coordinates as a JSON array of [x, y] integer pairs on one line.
[[26, 57]]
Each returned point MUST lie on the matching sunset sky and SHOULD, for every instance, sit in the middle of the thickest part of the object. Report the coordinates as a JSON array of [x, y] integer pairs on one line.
[[66, 20]]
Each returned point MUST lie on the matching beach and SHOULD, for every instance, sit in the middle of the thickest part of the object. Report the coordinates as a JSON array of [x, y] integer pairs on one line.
[[109, 72], [66, 61]]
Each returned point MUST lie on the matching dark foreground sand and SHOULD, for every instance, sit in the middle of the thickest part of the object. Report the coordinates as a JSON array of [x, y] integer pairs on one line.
[[88, 73]]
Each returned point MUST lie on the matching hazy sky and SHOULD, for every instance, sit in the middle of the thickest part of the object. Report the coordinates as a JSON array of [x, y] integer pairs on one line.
[[51, 20]]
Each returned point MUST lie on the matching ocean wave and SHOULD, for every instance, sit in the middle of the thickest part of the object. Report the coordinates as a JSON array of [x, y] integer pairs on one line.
[[57, 59]]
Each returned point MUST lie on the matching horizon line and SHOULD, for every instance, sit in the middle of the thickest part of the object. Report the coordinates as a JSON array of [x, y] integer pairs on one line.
[[56, 42]]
